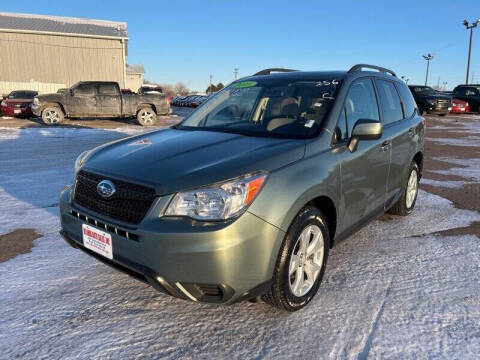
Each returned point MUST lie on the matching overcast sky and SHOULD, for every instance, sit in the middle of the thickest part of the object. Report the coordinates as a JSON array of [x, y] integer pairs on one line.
[[187, 40]]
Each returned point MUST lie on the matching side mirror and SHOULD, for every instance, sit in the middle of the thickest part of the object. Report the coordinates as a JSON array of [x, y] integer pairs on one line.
[[72, 93], [365, 129]]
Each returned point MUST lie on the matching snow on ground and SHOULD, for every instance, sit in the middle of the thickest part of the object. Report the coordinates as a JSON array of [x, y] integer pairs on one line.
[[393, 290]]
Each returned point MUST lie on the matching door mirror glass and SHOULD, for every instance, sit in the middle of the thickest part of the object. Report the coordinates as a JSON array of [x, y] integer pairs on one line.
[[366, 129], [72, 93]]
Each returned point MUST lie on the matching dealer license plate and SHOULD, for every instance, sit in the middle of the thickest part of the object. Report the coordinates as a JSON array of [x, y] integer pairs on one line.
[[97, 240]]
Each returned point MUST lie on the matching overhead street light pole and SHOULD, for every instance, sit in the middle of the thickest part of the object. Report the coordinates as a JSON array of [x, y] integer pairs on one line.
[[470, 27], [427, 57]]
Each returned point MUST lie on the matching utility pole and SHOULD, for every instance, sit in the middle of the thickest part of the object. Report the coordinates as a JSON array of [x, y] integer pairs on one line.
[[235, 73], [470, 27], [428, 57]]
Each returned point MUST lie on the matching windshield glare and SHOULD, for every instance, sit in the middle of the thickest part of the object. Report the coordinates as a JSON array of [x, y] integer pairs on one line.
[[293, 109]]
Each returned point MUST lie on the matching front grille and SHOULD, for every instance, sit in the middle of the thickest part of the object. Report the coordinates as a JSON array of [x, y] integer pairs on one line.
[[129, 203]]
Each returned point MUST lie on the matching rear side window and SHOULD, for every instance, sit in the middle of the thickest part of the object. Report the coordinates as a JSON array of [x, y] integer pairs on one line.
[[361, 103], [107, 89], [407, 99], [85, 89], [389, 101]]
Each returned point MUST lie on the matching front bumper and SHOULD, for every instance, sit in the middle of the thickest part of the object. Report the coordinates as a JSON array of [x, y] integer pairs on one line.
[[216, 262], [14, 111], [438, 109]]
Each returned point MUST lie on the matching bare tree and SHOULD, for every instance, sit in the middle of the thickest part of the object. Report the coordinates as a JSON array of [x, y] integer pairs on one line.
[[168, 89], [181, 89]]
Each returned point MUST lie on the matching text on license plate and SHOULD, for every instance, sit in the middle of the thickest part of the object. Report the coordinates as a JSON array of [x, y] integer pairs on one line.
[[97, 240]]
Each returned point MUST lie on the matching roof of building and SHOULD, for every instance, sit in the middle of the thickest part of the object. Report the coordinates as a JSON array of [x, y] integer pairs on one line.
[[135, 69], [62, 25]]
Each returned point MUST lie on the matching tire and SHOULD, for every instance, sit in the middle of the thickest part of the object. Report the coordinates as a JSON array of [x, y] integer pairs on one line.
[[52, 115], [294, 262], [146, 116], [442, 115], [404, 206]]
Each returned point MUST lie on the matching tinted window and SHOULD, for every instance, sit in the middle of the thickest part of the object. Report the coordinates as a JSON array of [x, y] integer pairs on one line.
[[389, 101], [107, 89], [341, 128], [408, 101], [361, 103], [470, 91], [85, 89]]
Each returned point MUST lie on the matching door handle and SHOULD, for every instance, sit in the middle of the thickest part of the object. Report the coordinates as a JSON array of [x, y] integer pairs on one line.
[[385, 145]]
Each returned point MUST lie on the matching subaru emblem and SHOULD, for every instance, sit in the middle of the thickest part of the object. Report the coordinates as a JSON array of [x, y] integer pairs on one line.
[[105, 188]]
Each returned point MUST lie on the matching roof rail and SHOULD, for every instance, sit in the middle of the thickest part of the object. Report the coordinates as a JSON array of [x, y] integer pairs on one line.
[[269, 71], [359, 67]]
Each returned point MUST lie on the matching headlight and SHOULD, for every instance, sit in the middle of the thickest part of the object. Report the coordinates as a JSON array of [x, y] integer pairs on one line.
[[219, 202], [81, 160], [36, 101]]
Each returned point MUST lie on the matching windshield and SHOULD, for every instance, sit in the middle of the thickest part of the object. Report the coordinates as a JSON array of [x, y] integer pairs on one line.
[[292, 109], [424, 90], [22, 95]]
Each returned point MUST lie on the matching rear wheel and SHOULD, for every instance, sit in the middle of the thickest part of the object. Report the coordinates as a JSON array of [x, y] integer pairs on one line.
[[301, 262], [52, 115], [406, 203], [146, 117]]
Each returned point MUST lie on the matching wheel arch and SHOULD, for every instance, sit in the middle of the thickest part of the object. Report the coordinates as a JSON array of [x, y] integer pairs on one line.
[[55, 104], [327, 207], [418, 158], [146, 105]]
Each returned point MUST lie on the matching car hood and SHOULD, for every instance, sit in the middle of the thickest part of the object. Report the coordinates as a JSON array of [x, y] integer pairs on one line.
[[50, 97], [171, 160]]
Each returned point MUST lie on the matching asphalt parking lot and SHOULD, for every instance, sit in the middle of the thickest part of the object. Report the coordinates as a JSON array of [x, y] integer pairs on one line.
[[399, 288]]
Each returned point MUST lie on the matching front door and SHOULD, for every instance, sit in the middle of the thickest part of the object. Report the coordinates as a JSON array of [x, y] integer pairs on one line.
[[81, 100], [109, 99], [364, 172]]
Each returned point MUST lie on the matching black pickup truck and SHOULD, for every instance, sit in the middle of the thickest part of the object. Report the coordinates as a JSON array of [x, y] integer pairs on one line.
[[99, 99], [431, 101]]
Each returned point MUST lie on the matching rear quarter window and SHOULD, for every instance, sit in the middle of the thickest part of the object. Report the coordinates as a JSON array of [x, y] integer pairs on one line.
[[390, 104], [407, 99]]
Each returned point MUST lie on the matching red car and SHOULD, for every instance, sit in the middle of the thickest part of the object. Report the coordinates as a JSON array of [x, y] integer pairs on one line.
[[18, 103], [459, 107]]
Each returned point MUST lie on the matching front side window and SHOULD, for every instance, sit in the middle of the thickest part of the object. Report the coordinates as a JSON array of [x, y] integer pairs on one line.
[[361, 103], [85, 90], [271, 107], [389, 101]]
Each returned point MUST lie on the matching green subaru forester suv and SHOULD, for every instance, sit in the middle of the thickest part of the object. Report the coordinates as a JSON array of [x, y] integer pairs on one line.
[[245, 197]]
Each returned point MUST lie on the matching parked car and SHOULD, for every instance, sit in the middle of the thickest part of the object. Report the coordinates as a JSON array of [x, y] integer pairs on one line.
[[18, 103], [246, 198], [431, 101], [469, 93], [99, 99], [460, 107]]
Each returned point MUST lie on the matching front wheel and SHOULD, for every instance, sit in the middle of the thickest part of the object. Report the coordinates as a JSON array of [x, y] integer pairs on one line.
[[146, 117], [52, 115], [301, 262], [404, 206]]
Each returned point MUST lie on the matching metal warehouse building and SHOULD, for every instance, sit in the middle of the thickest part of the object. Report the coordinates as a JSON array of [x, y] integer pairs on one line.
[[45, 53]]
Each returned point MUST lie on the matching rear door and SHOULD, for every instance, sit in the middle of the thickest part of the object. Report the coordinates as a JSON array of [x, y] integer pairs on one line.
[[363, 172], [398, 130], [109, 99], [82, 100]]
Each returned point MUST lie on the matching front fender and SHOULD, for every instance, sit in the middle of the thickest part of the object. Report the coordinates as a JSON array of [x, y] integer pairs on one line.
[[289, 189]]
